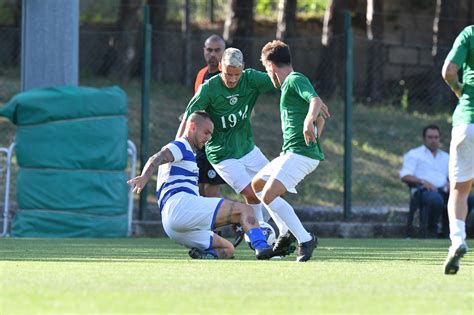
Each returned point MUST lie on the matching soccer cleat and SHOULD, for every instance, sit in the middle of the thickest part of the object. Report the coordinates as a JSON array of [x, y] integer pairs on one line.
[[451, 264], [264, 253], [305, 250], [239, 234], [196, 253], [283, 246]]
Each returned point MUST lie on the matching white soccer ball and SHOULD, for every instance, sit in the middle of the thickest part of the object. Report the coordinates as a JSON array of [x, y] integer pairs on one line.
[[268, 232]]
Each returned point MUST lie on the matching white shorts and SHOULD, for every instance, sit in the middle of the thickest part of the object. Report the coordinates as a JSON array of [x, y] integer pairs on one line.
[[461, 154], [289, 169], [238, 173], [189, 219]]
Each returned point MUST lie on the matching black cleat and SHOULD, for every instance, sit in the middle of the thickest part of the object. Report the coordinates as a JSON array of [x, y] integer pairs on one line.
[[196, 253], [283, 246], [264, 253], [239, 234], [451, 264], [305, 250]]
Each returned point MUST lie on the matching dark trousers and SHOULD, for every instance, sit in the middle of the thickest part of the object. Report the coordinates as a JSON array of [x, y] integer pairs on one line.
[[445, 218], [433, 206]]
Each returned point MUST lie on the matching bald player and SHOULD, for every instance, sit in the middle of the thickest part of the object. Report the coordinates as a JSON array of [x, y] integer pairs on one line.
[[187, 217]]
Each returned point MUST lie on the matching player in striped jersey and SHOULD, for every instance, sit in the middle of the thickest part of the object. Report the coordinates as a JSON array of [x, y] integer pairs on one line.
[[187, 217]]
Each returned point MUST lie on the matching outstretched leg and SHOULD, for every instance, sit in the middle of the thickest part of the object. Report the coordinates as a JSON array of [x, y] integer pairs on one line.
[[235, 212]]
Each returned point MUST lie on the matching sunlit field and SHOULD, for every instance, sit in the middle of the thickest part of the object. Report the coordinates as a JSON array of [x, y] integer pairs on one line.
[[119, 276]]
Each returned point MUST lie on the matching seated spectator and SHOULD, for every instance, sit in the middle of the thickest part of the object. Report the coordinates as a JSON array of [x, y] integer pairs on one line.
[[425, 170]]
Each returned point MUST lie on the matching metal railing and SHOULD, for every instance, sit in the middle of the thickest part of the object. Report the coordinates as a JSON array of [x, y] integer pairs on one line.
[[6, 200]]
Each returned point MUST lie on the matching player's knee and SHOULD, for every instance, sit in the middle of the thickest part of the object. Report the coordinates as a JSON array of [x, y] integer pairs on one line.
[[230, 252], [257, 184], [249, 195]]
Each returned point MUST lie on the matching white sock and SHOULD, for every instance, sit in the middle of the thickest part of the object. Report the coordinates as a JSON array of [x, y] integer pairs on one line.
[[257, 209], [457, 232], [282, 227], [286, 212]]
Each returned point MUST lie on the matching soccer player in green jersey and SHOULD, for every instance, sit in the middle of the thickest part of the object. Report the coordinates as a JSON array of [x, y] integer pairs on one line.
[[461, 151], [300, 107], [229, 99]]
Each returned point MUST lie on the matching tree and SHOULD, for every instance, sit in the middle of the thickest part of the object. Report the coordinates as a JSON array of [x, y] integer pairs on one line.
[[286, 24], [329, 73], [444, 31], [123, 54], [239, 27], [375, 60], [158, 11]]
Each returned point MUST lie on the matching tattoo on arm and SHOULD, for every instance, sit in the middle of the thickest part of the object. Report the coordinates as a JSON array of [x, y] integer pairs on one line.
[[162, 157]]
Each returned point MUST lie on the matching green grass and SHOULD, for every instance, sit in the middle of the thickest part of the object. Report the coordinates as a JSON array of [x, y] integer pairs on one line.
[[381, 135], [53, 276]]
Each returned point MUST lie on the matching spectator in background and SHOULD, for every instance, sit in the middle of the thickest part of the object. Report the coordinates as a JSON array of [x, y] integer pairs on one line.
[[425, 170], [209, 180], [461, 164]]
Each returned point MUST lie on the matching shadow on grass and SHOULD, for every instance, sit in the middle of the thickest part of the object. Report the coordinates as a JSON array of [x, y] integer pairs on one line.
[[429, 252]]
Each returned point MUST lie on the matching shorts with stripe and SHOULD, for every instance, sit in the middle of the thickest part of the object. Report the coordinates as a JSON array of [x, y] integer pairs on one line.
[[189, 219]]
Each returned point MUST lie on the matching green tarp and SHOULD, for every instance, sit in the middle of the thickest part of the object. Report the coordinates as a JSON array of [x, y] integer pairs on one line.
[[71, 146]]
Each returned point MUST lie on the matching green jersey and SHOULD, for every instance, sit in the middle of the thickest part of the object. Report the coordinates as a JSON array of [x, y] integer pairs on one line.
[[230, 111], [296, 93], [462, 54]]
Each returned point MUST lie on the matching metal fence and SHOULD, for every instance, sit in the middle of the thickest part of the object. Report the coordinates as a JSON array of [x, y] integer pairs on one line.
[[399, 80]]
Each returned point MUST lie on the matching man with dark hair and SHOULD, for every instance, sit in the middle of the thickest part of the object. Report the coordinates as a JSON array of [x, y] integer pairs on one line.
[[461, 164], [301, 123], [187, 217], [425, 169]]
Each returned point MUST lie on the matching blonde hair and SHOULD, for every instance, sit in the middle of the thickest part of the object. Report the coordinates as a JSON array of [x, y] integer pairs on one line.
[[232, 57]]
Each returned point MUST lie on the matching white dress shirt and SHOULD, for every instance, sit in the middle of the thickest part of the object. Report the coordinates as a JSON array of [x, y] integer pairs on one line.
[[421, 163]]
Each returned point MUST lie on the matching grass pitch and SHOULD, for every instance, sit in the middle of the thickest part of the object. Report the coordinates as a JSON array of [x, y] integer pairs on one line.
[[137, 275]]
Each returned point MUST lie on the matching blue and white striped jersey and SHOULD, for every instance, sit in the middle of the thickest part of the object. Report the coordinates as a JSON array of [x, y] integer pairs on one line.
[[181, 175]]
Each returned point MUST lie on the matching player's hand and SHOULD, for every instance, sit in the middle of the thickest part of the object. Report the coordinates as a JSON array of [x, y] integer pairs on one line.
[[429, 186], [309, 132], [138, 183], [325, 111]]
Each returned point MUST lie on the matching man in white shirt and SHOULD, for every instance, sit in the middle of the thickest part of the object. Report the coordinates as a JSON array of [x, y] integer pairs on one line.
[[425, 168]]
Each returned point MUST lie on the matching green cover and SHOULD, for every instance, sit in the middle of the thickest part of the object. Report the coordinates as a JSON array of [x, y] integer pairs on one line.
[[71, 146]]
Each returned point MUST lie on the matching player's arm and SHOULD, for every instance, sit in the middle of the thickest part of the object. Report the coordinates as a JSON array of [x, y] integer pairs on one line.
[[200, 101], [450, 76], [316, 106], [162, 157], [456, 57], [320, 122]]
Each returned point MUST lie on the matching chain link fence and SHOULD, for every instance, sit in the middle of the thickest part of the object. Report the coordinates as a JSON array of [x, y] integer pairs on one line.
[[397, 90]]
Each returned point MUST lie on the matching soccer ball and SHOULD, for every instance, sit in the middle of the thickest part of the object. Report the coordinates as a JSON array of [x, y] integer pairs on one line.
[[268, 232]]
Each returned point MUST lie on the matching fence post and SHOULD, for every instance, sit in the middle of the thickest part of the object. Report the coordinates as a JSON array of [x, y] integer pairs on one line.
[[348, 119], [146, 73]]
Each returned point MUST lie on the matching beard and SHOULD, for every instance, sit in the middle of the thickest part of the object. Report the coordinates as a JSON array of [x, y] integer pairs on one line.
[[213, 62]]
